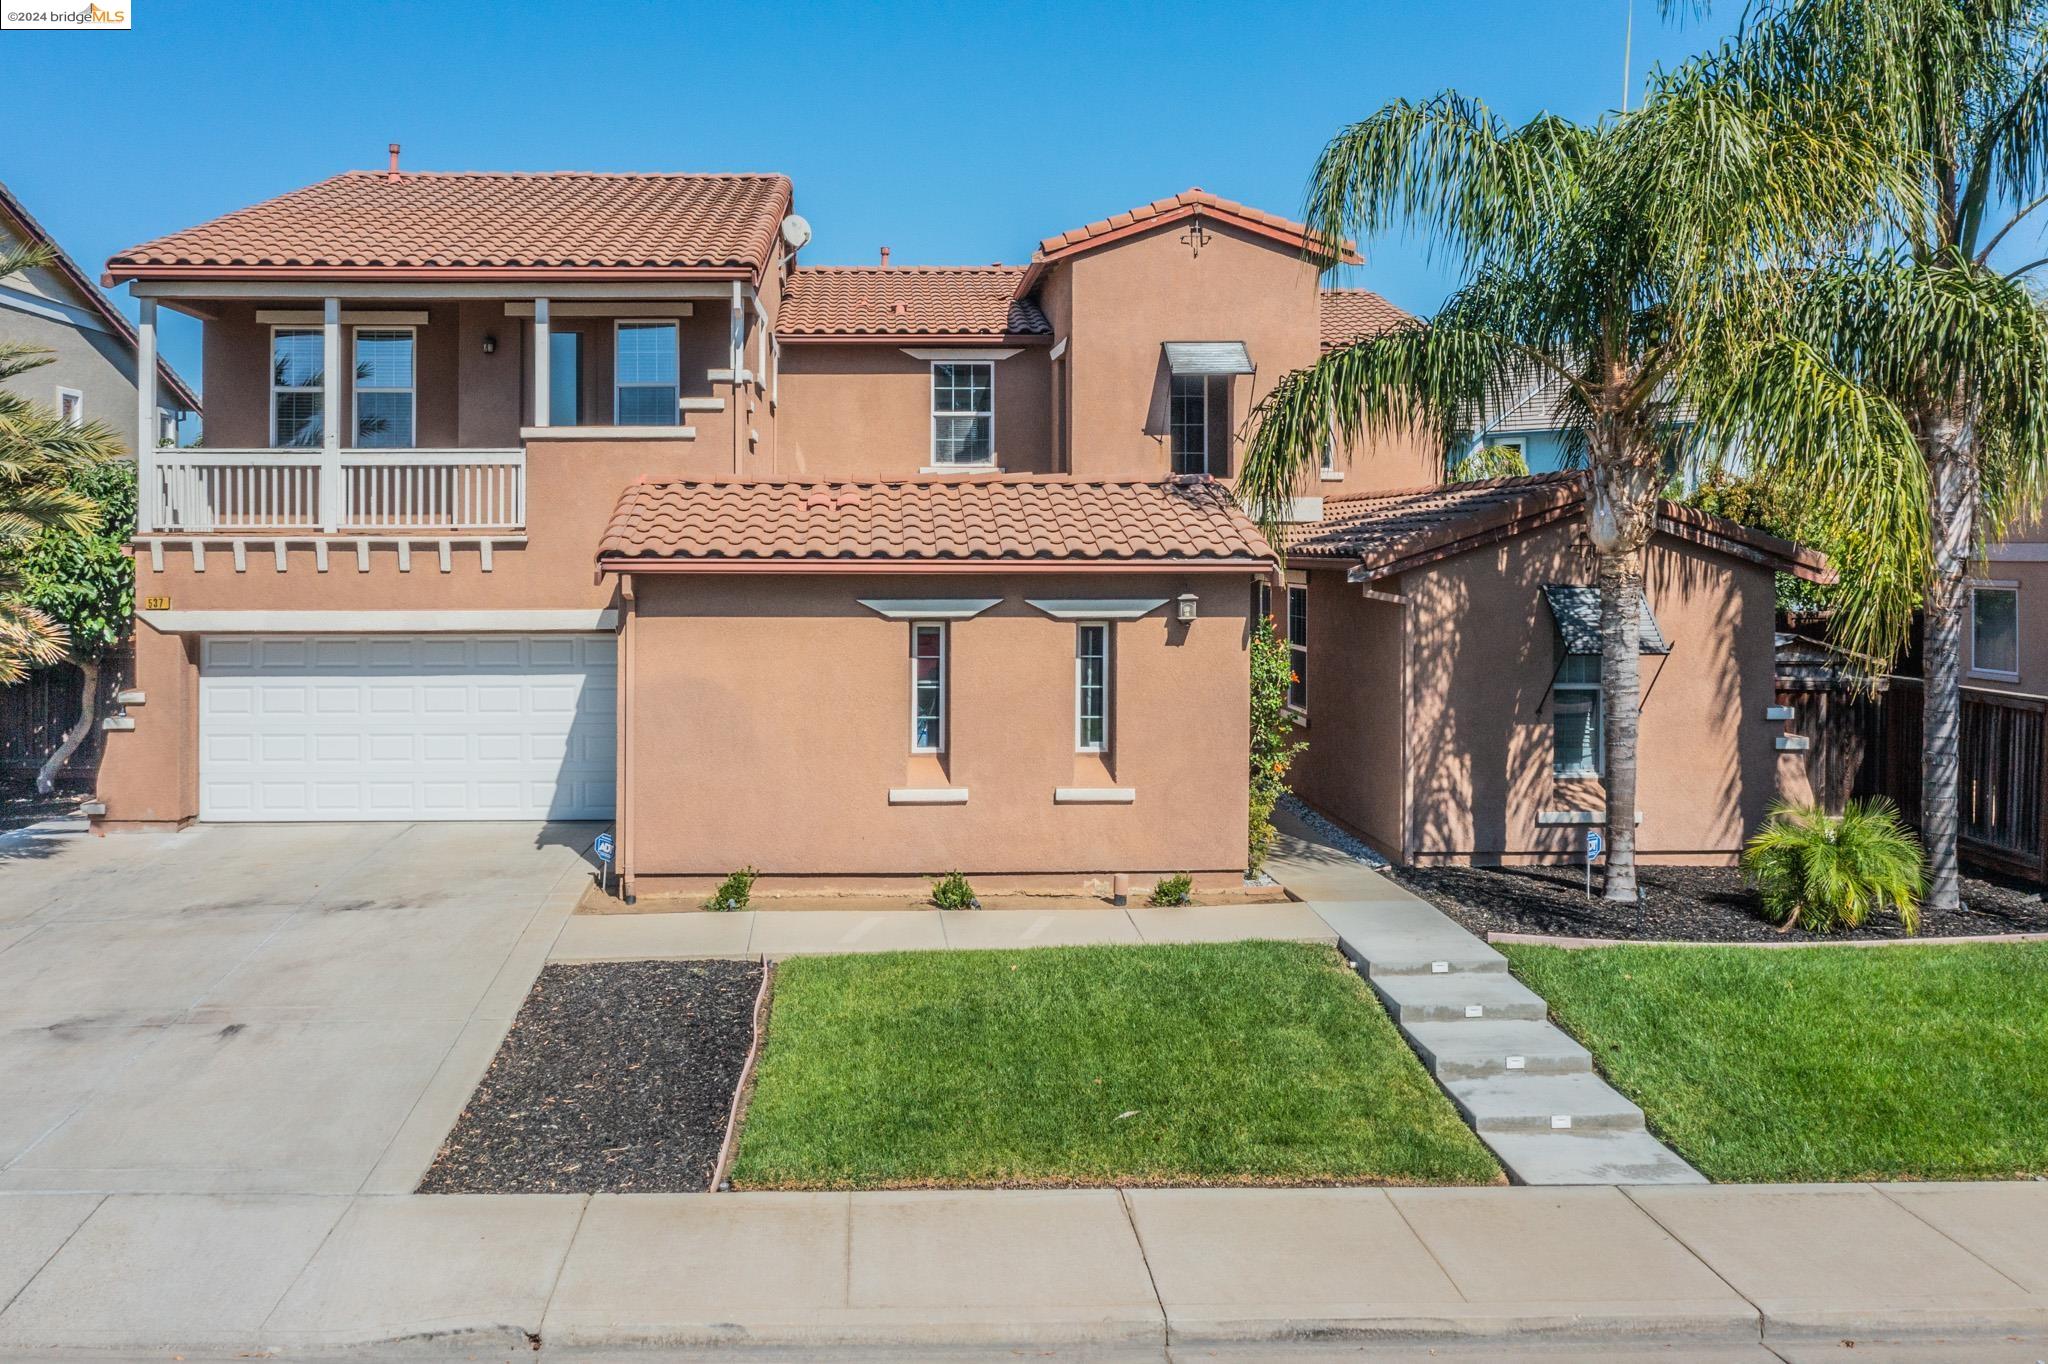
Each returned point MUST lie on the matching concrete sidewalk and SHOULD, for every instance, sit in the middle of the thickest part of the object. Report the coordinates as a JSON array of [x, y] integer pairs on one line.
[[1136, 1270]]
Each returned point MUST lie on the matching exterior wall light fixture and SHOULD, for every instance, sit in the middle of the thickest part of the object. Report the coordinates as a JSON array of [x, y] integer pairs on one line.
[[490, 345], [1184, 606]]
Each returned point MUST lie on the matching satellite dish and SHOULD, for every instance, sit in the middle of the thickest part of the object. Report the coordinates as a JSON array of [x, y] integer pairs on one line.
[[796, 231]]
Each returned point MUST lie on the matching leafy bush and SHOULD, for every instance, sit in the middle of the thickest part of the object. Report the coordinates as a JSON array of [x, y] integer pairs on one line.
[[1273, 741], [1173, 891], [951, 891], [1490, 461], [1824, 872], [734, 891]]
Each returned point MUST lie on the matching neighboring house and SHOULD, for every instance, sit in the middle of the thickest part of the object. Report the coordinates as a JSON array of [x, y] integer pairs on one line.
[[91, 376], [2005, 644], [1449, 674], [573, 496]]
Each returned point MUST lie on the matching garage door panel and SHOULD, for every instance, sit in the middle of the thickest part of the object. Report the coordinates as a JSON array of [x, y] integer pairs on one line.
[[398, 727]]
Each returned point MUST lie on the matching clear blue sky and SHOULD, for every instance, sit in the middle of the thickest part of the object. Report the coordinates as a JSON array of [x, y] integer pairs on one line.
[[959, 133]]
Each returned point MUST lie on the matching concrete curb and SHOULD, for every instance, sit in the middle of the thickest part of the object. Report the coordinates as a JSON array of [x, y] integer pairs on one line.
[[1554, 940]]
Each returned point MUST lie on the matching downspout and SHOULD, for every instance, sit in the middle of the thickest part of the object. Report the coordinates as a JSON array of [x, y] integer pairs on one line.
[[628, 846], [1407, 728]]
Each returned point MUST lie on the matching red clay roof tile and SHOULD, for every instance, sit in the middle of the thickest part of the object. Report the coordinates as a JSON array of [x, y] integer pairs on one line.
[[1000, 521], [433, 221], [1183, 205], [908, 301], [1352, 314]]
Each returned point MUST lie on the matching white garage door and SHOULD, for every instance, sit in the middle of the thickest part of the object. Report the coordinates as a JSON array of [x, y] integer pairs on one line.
[[407, 726]]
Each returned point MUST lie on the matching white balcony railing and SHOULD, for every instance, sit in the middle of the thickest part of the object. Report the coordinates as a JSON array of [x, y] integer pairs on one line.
[[204, 491]]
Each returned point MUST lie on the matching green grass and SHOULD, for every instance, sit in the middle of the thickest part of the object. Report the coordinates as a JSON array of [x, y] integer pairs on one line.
[[1239, 1063], [1820, 1063]]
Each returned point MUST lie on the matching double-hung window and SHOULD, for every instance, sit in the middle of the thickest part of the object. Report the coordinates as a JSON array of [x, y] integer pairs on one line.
[[1297, 646], [1576, 717], [1091, 687], [645, 391], [1994, 630], [963, 412], [928, 688], [297, 377], [384, 388], [1187, 422], [71, 407]]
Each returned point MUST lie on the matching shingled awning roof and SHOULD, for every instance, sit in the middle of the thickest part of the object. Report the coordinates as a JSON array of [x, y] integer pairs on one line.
[[426, 224], [924, 525], [922, 301], [1392, 532]]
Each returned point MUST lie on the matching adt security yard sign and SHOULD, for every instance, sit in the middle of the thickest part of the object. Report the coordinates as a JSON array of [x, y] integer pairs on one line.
[[603, 847], [1595, 845]]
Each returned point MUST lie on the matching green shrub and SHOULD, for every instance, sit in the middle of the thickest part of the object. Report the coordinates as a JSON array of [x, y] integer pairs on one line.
[[734, 891], [1824, 872], [1273, 741], [951, 891], [1173, 891]]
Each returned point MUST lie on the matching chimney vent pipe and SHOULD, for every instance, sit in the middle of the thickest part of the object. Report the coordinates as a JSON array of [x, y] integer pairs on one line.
[[391, 173], [885, 258]]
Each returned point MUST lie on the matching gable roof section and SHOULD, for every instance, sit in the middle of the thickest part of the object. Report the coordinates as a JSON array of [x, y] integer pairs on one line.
[[1192, 203], [931, 302], [929, 525], [430, 224], [1392, 532], [1349, 315], [117, 323]]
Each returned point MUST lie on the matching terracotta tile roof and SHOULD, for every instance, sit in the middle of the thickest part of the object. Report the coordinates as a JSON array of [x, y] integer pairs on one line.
[[117, 322], [1048, 521], [1390, 532], [464, 222], [1350, 314], [918, 300], [1187, 204]]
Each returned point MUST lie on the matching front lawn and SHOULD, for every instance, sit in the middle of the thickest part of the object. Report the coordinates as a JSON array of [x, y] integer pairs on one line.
[[1238, 1063], [1819, 1063]]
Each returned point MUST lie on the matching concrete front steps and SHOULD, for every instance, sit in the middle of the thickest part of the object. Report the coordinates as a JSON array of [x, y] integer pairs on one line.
[[1527, 1088]]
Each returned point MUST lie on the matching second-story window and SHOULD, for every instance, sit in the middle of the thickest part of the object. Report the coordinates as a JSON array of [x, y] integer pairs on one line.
[[296, 377], [928, 687], [384, 388], [645, 375], [1091, 688], [1187, 420], [963, 412]]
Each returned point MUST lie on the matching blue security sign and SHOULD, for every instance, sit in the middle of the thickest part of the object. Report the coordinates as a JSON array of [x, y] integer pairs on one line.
[[1595, 844], [603, 847]]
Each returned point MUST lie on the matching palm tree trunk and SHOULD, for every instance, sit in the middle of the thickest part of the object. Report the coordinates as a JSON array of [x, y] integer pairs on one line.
[[1953, 499], [88, 716], [1621, 585]]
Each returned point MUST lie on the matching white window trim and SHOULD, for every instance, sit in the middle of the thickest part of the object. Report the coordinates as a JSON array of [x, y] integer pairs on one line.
[[270, 364], [932, 400], [945, 658], [62, 394], [1995, 585], [621, 323], [356, 390], [1597, 698], [1173, 455], [1081, 628], [1287, 632]]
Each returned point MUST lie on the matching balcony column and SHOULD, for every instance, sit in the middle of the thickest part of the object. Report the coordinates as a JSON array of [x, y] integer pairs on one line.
[[330, 416], [541, 358], [148, 505]]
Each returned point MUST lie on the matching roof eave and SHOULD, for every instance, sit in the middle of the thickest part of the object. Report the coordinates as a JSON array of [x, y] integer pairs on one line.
[[923, 338], [626, 563], [121, 272]]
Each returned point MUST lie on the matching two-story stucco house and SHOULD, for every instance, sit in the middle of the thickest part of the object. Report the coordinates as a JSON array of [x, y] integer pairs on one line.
[[92, 347], [578, 496]]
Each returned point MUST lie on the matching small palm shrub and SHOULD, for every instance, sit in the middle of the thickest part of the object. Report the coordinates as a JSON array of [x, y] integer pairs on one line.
[[1172, 891], [734, 891], [951, 891], [1823, 872]]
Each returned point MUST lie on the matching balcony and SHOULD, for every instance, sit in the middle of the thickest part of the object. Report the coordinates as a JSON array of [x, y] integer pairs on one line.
[[334, 492]]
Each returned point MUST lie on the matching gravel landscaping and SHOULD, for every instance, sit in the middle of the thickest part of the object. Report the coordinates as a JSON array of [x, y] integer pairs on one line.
[[1686, 904], [615, 1078]]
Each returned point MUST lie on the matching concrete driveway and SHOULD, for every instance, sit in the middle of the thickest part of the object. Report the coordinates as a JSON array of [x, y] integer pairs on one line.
[[261, 1008]]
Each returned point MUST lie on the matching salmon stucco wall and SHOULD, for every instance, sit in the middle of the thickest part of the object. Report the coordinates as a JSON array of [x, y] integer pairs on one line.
[[864, 410], [1355, 725], [767, 719]]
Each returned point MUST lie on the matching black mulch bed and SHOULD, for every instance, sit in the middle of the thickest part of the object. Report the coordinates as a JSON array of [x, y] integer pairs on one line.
[[616, 1078], [1694, 904]]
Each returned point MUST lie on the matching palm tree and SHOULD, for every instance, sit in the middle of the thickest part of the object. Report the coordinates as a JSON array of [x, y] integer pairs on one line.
[[1946, 350], [1596, 258], [40, 453]]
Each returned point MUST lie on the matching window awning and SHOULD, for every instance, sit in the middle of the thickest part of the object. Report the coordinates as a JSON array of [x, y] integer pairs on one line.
[[1577, 613], [1208, 357]]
